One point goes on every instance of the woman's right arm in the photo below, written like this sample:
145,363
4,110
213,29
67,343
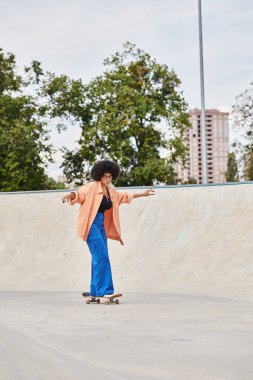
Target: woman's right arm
75,196
68,197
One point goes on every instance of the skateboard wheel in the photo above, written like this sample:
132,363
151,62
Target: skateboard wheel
116,301
88,301
98,300
107,302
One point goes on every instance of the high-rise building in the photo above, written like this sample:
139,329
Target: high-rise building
217,146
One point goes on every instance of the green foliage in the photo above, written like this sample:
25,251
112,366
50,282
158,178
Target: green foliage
248,172
248,166
51,184
127,114
243,119
130,113
9,80
232,174
24,147
191,181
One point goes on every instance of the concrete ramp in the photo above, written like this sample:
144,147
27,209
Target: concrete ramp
182,240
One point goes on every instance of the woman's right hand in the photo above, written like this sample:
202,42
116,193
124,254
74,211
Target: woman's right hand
68,197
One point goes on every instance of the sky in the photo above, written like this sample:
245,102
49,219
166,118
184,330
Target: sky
74,37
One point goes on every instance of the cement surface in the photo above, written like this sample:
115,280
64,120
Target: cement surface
56,336
186,272
196,239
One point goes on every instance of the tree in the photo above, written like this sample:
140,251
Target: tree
54,185
128,114
232,174
191,181
243,124
243,120
24,147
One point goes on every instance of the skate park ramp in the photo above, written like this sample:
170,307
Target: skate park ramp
195,239
186,273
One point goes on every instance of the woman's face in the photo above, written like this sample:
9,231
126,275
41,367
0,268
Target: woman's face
106,179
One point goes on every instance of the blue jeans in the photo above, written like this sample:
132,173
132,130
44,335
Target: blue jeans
101,274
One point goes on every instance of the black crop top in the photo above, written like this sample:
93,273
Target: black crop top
105,204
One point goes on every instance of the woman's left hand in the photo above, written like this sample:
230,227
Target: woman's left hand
148,192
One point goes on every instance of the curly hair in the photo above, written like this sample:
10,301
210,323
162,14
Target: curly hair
105,166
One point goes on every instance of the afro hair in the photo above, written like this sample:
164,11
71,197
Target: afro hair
105,166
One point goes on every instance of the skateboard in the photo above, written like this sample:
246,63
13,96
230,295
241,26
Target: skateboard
107,299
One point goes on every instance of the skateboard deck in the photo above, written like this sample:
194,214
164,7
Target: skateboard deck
113,298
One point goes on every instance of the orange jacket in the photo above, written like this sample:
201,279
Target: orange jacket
90,196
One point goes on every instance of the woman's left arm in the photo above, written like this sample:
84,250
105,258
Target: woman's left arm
127,197
145,194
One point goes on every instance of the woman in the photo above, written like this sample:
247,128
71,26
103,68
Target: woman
98,220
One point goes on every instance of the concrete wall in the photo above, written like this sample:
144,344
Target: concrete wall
183,239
